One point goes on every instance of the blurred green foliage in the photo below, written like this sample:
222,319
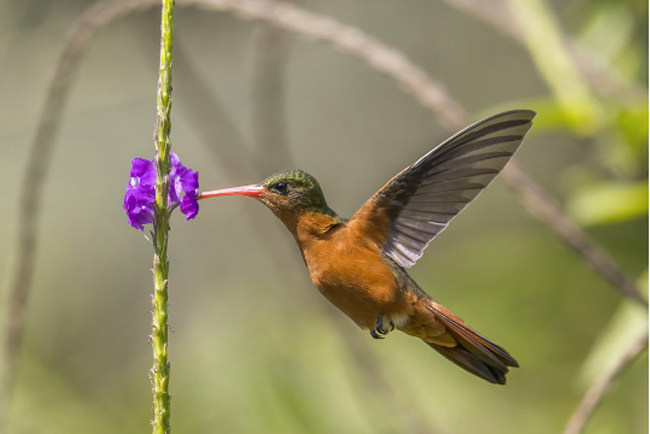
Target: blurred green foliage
256,352
610,203
613,188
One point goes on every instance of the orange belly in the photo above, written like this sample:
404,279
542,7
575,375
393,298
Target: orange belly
352,275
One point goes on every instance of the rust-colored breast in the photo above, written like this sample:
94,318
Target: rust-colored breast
349,271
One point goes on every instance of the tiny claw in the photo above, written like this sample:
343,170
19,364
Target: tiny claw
379,332
379,326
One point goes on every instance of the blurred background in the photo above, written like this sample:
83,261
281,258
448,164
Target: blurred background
255,348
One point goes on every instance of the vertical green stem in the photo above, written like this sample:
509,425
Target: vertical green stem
159,334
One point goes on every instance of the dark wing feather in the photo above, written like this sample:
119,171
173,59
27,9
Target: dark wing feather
418,203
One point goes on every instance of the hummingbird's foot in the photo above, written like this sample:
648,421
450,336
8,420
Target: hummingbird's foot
379,332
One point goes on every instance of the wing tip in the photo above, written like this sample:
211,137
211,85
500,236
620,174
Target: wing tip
524,114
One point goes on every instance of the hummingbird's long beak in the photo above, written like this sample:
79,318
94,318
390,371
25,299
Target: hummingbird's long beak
252,190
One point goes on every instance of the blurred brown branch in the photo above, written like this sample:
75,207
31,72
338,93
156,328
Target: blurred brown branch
412,79
601,386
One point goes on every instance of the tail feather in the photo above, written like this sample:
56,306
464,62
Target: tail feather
469,362
473,352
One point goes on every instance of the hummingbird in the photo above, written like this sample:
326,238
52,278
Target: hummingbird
359,264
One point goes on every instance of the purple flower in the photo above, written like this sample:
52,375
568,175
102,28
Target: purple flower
140,191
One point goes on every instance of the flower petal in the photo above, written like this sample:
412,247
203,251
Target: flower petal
138,204
175,174
190,181
189,205
144,171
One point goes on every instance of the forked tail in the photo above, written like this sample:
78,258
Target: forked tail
473,351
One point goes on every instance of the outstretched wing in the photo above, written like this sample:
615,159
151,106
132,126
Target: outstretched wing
420,201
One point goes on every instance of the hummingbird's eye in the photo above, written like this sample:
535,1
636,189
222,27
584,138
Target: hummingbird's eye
280,187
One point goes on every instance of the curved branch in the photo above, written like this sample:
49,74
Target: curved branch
601,386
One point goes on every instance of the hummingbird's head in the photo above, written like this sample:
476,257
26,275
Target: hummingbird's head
292,191
288,194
